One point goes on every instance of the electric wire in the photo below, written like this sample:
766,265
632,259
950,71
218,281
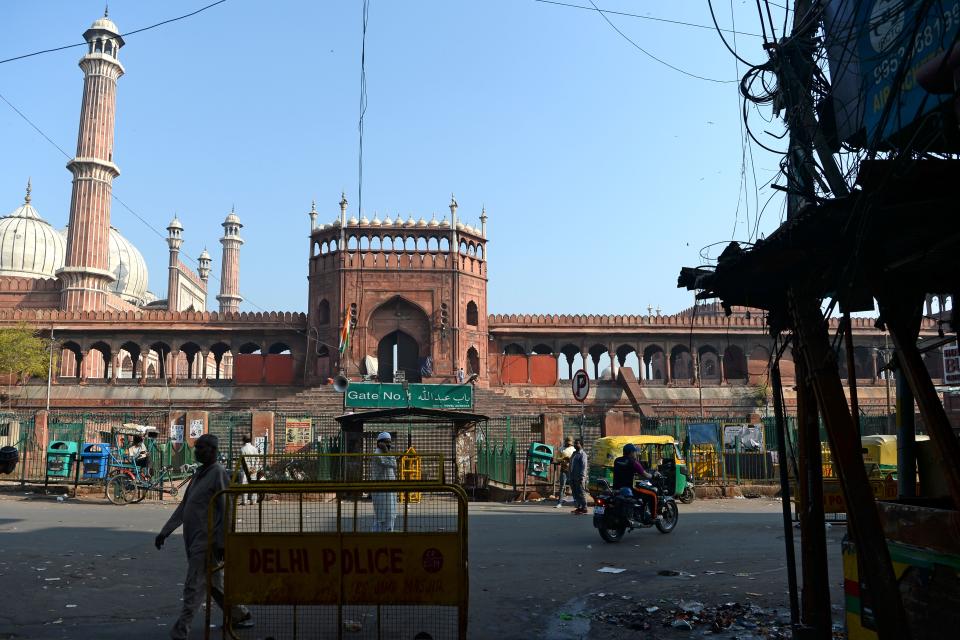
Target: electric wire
650,55
652,18
122,35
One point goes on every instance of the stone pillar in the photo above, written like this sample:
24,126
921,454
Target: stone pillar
876,368
614,364
172,367
667,375
40,430
695,359
585,357
144,363
553,429
263,427
115,373
723,373
205,355
83,366
612,424
643,366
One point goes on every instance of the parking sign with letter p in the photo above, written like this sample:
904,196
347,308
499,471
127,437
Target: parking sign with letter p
581,385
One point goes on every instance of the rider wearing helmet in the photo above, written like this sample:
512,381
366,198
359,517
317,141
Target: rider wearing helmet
625,468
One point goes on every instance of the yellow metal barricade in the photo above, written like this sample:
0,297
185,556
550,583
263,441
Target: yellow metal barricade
315,560
410,469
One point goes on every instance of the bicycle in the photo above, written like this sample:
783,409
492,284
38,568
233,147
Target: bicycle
123,489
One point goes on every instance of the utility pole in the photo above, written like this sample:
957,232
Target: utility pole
795,64
820,390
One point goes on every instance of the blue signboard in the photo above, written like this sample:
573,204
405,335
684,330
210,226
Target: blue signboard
703,433
893,33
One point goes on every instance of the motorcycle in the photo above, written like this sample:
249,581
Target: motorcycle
615,512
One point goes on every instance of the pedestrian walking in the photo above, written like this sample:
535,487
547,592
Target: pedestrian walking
384,470
564,465
250,466
460,376
191,513
578,478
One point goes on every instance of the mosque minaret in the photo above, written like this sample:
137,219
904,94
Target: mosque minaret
230,297
86,275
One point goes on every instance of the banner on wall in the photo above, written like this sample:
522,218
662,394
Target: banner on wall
297,434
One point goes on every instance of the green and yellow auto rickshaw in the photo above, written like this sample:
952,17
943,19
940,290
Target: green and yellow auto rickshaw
659,453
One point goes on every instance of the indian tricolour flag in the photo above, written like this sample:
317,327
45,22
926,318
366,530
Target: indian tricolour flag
345,334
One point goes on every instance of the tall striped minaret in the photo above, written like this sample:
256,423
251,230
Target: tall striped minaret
85,274
230,297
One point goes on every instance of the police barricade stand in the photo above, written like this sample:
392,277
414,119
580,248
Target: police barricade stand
316,560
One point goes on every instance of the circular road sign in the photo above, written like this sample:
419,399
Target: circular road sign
581,385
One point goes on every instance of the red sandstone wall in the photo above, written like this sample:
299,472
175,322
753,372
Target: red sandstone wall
27,293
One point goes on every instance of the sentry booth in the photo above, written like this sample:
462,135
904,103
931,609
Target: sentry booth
451,434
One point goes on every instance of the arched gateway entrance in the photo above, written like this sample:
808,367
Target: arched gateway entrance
398,351
402,331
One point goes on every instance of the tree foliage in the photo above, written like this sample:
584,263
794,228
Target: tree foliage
23,354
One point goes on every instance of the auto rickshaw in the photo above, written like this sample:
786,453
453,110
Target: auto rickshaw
880,455
656,453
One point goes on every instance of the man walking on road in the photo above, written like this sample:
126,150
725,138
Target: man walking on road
192,514
578,478
564,464
251,464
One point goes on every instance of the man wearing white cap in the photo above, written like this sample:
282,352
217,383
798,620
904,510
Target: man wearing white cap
384,470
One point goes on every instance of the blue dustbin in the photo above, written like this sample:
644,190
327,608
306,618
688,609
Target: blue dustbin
96,459
60,456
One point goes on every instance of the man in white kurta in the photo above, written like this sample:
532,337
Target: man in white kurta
384,470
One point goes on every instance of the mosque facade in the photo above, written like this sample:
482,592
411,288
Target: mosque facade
408,294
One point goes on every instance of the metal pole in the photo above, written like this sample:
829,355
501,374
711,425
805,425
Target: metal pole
906,438
851,371
819,363
785,494
50,369
816,586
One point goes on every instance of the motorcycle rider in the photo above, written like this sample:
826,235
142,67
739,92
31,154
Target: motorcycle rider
625,468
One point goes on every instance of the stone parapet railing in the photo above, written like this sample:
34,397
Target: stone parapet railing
293,320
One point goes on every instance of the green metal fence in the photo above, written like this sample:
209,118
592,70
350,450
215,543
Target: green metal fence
498,461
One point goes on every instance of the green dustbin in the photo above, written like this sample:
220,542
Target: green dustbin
539,458
60,458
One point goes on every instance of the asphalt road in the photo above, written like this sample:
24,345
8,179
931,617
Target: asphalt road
85,569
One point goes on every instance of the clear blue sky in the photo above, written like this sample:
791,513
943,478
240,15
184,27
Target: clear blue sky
602,171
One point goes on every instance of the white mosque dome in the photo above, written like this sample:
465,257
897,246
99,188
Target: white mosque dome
29,246
128,267
433,221
105,24
376,222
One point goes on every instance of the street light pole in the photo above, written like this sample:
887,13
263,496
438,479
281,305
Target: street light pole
50,369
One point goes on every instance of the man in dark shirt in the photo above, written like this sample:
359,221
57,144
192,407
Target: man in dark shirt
625,469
